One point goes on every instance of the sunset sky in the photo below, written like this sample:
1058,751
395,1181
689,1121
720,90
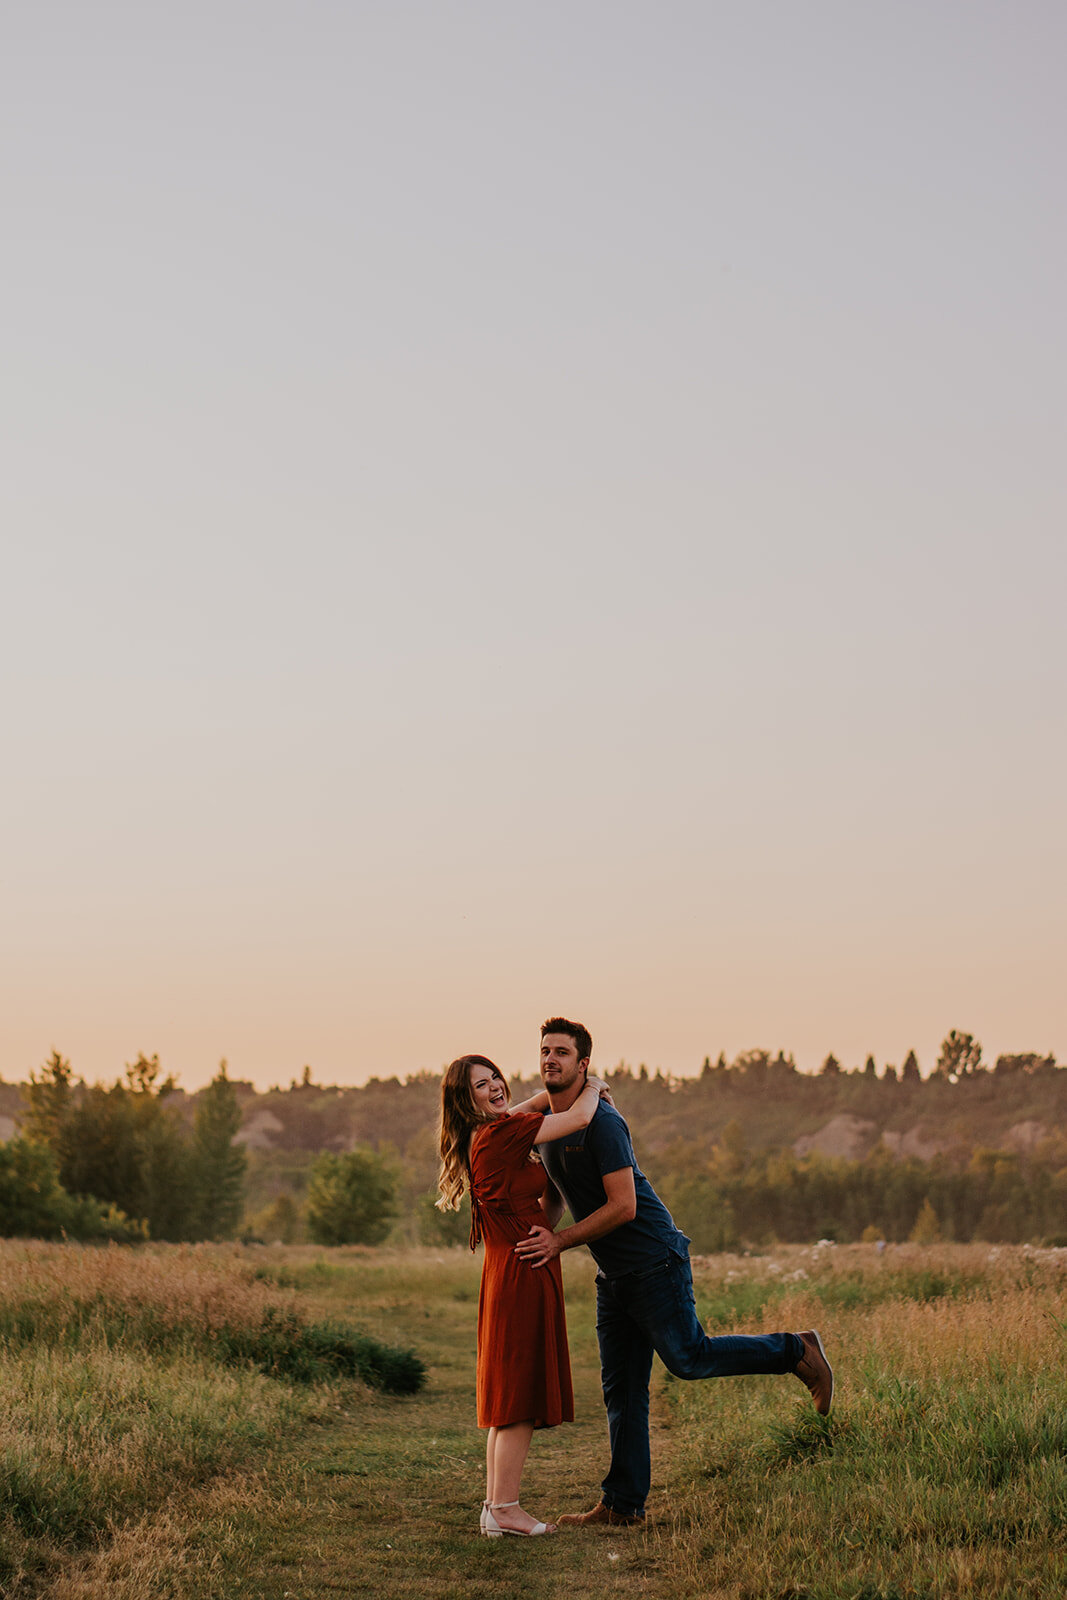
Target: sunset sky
512,509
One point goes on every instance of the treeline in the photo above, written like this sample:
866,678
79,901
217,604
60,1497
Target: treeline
730,1197
765,1091
118,1161
140,1158
123,1162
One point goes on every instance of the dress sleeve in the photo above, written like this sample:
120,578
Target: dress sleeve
507,1141
498,1149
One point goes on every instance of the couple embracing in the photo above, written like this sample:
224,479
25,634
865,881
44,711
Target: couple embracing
644,1285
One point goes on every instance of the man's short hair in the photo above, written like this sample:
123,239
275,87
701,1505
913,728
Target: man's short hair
583,1039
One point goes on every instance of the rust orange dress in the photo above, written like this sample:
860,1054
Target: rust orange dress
524,1369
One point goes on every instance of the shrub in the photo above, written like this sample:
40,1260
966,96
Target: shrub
80,1300
351,1198
34,1204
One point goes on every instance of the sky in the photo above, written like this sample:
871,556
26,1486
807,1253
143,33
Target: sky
517,510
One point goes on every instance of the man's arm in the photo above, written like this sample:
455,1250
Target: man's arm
541,1245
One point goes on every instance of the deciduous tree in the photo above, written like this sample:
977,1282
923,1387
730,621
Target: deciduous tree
961,1054
351,1198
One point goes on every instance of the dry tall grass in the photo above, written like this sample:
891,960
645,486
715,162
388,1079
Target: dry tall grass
151,1471
943,1470
61,1286
116,1399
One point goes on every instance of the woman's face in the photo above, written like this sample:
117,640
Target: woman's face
489,1091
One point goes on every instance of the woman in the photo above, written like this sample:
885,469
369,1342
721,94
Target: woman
524,1376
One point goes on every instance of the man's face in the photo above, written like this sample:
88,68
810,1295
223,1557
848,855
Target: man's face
560,1067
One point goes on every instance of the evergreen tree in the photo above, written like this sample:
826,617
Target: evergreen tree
34,1204
218,1164
909,1072
168,1176
126,1145
48,1099
100,1152
168,1197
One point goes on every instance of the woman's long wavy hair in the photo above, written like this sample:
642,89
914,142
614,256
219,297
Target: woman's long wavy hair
459,1118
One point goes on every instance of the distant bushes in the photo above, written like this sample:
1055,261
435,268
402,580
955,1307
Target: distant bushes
125,1148
34,1204
728,1195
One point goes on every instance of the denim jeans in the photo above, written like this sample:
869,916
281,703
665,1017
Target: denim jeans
654,1310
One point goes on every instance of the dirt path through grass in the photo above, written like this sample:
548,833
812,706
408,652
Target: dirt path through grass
943,1472
385,1502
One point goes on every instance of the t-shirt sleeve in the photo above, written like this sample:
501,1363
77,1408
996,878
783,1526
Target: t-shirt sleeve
609,1140
507,1142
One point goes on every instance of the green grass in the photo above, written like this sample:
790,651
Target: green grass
276,1337
942,1471
134,1380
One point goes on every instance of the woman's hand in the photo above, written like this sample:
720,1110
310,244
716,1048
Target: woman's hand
593,1082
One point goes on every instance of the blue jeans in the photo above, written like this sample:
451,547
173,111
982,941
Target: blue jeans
654,1310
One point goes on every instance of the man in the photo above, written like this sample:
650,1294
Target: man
644,1283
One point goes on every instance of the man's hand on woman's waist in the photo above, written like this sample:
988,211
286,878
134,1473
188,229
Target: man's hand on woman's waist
542,1246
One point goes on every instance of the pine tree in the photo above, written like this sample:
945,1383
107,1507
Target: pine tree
218,1164
48,1099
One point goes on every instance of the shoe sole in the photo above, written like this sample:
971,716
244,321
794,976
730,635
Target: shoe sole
830,1370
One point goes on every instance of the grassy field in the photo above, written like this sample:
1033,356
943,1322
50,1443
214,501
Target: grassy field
154,1443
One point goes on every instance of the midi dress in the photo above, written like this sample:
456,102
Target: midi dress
524,1370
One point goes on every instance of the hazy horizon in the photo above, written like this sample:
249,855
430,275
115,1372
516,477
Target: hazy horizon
529,511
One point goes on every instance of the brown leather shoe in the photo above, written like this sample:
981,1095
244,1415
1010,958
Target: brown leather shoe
601,1516
815,1372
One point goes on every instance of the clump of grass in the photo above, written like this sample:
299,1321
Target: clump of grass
77,1298
943,1467
293,1276
90,1439
284,1346
798,1438
131,1379
736,1301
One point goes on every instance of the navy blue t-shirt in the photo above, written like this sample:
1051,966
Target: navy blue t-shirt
576,1165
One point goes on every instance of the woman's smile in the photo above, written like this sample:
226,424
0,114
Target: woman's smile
489,1091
